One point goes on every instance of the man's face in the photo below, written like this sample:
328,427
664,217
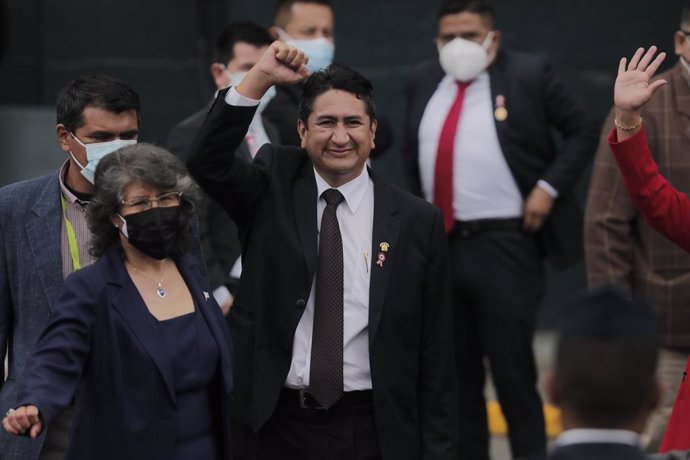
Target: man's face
245,56
99,125
468,26
309,20
338,136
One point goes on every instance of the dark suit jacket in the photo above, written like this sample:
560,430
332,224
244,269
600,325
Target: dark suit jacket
103,344
273,200
597,451
537,103
219,238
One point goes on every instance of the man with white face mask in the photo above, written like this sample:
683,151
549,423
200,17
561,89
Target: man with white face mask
479,145
238,48
44,236
622,249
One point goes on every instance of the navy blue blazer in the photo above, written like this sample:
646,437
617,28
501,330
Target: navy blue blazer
102,346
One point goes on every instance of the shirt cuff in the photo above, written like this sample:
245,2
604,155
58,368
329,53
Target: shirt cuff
548,188
221,294
232,97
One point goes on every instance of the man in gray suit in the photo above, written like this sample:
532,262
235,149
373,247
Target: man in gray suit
44,236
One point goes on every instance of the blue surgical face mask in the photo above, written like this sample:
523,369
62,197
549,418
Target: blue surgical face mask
236,77
95,151
320,50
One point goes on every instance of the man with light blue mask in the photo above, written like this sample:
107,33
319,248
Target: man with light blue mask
238,47
44,236
308,26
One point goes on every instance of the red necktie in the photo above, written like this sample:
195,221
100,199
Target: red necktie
443,172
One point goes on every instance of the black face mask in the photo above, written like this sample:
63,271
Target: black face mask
154,231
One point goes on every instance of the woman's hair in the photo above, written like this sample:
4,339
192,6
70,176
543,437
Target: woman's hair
144,164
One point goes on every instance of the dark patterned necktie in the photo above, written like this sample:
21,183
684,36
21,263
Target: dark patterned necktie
326,371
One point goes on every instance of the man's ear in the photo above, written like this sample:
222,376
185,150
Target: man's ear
657,394
274,32
218,74
372,127
302,131
678,40
63,136
552,388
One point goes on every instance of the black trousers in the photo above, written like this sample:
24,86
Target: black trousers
497,285
346,431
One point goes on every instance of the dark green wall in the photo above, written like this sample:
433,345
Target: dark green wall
161,48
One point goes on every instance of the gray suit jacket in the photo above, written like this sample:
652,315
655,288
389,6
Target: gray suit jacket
30,282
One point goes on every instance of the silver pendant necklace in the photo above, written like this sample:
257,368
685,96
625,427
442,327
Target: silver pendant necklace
160,291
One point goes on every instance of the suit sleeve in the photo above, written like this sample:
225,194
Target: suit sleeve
610,219
235,184
664,208
54,369
579,133
438,387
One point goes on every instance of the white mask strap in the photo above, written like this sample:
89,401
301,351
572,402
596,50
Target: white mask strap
487,41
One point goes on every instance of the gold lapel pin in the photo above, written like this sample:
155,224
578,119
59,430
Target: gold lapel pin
500,111
384,246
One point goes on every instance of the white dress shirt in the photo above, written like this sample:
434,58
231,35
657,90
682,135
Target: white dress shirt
483,186
597,435
356,220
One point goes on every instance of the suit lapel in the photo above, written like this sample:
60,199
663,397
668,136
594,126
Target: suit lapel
304,199
499,89
203,299
128,302
44,230
428,87
386,230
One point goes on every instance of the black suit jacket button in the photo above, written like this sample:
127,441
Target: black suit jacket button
301,304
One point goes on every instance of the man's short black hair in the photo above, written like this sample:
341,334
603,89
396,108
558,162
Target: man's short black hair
246,32
481,7
606,358
100,91
336,76
283,10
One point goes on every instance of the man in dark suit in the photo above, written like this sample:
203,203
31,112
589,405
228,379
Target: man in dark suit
44,236
604,378
342,324
238,48
479,145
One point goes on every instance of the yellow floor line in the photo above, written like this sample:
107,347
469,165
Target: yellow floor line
498,426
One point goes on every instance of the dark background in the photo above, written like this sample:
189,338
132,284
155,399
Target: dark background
161,48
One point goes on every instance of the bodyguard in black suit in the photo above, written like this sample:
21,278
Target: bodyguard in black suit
509,201
604,378
238,47
397,394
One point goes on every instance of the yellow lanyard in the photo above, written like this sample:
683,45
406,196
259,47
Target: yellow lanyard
71,236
